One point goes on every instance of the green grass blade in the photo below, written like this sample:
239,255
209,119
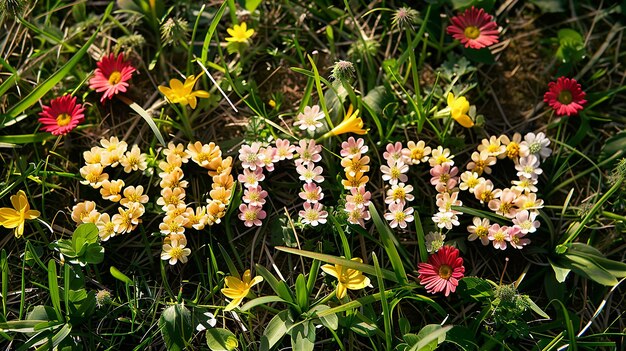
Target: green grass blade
384,303
4,267
53,285
365,268
388,241
144,114
209,33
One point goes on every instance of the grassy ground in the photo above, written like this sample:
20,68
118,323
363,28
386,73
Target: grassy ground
562,291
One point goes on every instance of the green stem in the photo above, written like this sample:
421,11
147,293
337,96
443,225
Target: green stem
592,212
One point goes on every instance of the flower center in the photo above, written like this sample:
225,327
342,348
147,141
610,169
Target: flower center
445,271
63,119
472,182
565,97
250,215
512,150
115,77
499,236
482,231
534,147
400,216
417,154
472,32
176,252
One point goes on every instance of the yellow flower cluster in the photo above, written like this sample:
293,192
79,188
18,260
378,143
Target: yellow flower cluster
112,153
178,216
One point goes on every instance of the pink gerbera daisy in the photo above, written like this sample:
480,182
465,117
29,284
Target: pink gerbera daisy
63,115
111,76
442,272
475,29
565,96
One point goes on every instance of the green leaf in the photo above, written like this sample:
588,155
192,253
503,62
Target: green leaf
571,46
276,329
120,276
176,328
302,293
146,116
462,337
365,268
430,336
280,288
261,301
53,286
330,321
49,83
389,243
86,233
219,339
384,303
251,5
560,273
57,338
476,288
303,336
26,138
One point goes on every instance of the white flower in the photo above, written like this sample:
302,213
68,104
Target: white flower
446,220
309,118
526,222
537,144
528,167
434,241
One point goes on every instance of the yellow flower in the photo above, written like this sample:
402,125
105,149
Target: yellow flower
182,93
458,110
350,124
237,289
347,278
15,217
239,33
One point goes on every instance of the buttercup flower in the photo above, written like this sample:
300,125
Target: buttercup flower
16,217
446,219
106,228
239,33
134,160
395,171
499,235
176,251
111,190
357,215
311,193
459,107
565,96
516,238
480,230
350,124
442,272
284,150
492,146
475,29
251,215
93,175
63,115
236,289
352,147
82,211
309,118
182,93
313,214
360,197
417,152
111,76
255,195
469,181
440,156
347,278
398,215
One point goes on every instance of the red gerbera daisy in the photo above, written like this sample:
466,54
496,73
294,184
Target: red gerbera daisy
63,115
442,272
474,28
111,76
565,96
